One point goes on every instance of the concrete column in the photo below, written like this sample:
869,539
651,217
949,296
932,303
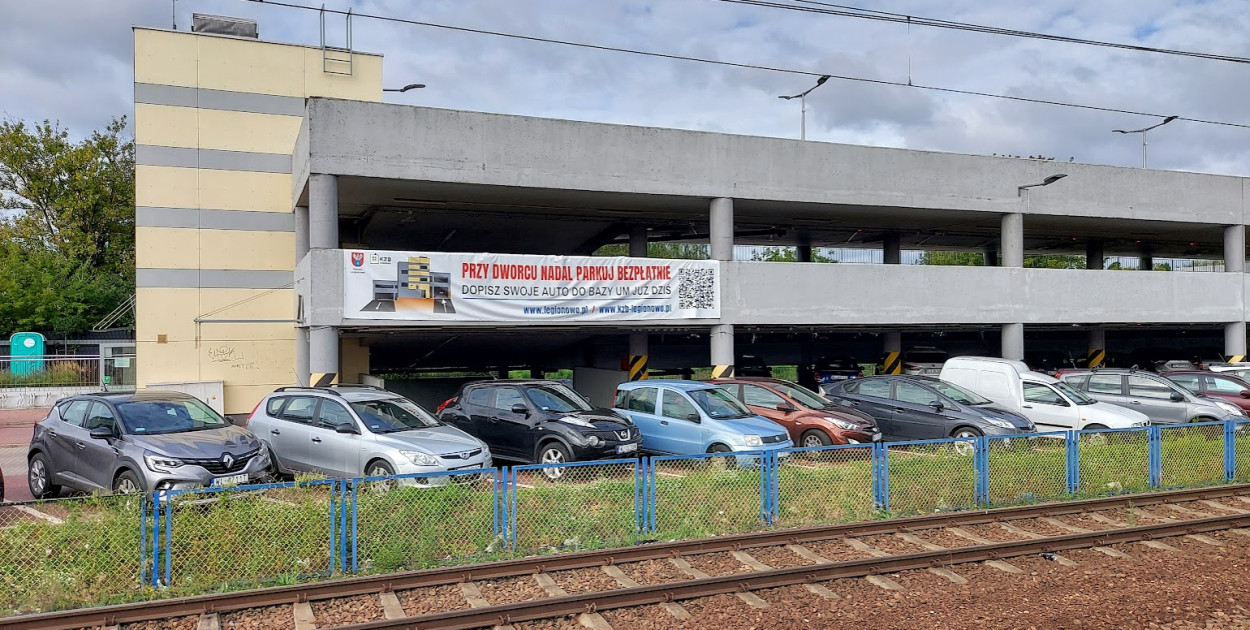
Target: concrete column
1093,255
1235,248
991,256
721,229
1235,341
637,362
638,241
1012,239
1097,353
301,232
302,369
893,341
891,250
323,211
722,350
1013,341
323,355
892,359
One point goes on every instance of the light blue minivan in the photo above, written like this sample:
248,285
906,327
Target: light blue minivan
693,418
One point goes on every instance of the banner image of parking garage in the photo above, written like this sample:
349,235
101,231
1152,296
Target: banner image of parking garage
395,285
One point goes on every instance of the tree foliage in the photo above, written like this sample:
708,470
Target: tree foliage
67,245
789,254
974,259
683,251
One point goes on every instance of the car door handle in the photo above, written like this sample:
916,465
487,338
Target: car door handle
494,419
1134,402
317,440
664,422
1027,406
80,446
275,432
900,409
51,434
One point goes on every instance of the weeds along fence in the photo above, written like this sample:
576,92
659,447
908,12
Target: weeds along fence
98,550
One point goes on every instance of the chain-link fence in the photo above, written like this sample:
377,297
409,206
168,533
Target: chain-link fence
707,495
581,505
1027,469
248,534
1191,455
930,476
1239,455
424,520
1113,461
830,484
70,553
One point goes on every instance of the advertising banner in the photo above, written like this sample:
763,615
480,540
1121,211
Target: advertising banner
425,286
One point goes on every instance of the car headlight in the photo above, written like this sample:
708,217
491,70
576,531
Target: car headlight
574,420
419,458
1229,407
594,440
842,424
752,440
1000,423
159,463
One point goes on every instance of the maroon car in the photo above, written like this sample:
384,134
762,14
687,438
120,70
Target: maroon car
1214,384
810,419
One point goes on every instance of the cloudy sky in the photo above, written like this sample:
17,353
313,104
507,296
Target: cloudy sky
70,60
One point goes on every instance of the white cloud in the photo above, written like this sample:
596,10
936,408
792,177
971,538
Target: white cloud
71,60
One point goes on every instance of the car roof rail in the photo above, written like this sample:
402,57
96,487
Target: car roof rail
355,386
308,388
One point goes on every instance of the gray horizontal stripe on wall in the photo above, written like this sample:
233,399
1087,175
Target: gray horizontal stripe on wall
154,94
212,279
216,159
215,219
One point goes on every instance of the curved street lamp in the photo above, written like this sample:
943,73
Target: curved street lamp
410,86
1143,131
802,96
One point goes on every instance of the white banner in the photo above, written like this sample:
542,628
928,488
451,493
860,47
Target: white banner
510,287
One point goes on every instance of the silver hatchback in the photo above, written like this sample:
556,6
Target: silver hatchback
361,431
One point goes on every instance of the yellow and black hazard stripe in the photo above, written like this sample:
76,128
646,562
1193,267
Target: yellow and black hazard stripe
723,371
893,363
1096,357
323,379
1237,358
637,367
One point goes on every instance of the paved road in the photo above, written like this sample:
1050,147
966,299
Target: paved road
15,429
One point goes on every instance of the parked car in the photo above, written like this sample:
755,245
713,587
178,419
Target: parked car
810,419
751,365
690,418
926,408
1225,387
139,442
1162,400
537,421
830,369
360,431
920,360
1046,401
1240,370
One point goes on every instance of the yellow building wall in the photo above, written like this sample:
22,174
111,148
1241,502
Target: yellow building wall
353,359
231,82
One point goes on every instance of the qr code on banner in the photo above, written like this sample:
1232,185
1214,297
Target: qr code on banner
696,288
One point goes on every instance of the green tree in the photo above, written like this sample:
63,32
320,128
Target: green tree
684,251
67,210
961,259
788,254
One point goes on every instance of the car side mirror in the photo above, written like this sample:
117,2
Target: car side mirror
102,433
694,417
1177,397
347,428
520,408
937,405
786,407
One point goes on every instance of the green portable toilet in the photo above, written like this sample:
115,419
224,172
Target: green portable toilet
27,349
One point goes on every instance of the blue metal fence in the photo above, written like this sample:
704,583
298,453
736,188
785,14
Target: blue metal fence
413,521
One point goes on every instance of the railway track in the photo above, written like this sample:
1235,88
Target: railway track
557,603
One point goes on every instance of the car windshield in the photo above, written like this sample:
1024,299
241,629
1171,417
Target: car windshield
1075,395
154,417
557,398
958,394
802,395
717,403
389,415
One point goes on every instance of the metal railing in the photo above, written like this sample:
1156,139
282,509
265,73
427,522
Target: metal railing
18,371
204,539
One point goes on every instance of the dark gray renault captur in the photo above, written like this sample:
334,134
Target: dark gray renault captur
926,408
139,442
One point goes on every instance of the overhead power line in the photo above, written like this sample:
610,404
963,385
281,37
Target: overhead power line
748,66
827,8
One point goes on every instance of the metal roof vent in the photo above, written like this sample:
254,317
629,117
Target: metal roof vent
221,25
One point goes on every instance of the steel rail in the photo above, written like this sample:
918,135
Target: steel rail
773,578
364,585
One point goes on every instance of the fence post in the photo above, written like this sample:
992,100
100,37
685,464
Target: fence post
1072,445
765,489
1154,443
1230,450
981,468
881,477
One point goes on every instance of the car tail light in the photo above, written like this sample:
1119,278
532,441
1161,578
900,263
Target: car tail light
253,414
445,403
910,366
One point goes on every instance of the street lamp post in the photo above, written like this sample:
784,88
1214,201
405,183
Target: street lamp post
1143,131
802,96
410,86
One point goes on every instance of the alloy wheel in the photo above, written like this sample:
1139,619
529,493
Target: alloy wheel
38,477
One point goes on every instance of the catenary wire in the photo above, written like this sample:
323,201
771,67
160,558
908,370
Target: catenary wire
900,18
748,66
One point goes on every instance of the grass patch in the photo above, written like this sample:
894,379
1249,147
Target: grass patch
416,528
1026,471
930,478
695,499
815,492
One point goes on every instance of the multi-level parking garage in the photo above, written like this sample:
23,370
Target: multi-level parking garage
411,183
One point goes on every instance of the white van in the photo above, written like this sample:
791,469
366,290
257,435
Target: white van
1047,402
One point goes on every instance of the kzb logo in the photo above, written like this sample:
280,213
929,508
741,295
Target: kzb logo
358,259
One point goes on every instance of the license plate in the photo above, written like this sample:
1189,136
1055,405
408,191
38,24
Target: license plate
232,480
626,448
876,437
